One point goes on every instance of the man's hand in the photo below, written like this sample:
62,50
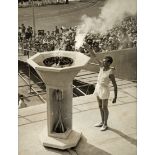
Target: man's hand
90,50
114,100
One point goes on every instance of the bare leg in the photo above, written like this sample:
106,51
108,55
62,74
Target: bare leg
101,109
106,111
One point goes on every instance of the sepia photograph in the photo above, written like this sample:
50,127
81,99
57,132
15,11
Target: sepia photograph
77,77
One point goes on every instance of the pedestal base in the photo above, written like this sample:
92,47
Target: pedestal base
59,143
61,135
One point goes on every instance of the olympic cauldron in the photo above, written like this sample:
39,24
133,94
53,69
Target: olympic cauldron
58,69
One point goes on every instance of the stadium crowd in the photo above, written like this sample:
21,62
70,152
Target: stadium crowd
120,36
37,3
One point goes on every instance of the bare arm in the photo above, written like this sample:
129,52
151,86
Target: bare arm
112,78
93,54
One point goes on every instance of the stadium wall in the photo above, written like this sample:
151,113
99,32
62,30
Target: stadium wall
124,61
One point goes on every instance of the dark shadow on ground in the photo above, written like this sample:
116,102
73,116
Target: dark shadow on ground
84,148
126,137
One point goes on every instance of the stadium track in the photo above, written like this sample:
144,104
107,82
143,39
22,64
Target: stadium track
67,15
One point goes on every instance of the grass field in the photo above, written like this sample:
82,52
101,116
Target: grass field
48,17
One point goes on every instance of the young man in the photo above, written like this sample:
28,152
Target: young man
102,91
21,103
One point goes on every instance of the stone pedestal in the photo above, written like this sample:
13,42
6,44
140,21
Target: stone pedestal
61,141
70,137
59,97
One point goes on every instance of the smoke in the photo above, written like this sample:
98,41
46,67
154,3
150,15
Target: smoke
111,13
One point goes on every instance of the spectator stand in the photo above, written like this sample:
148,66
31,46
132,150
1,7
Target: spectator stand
39,3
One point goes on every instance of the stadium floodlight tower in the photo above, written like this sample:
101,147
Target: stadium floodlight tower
58,69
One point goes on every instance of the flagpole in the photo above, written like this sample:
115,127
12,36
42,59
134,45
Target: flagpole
33,13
